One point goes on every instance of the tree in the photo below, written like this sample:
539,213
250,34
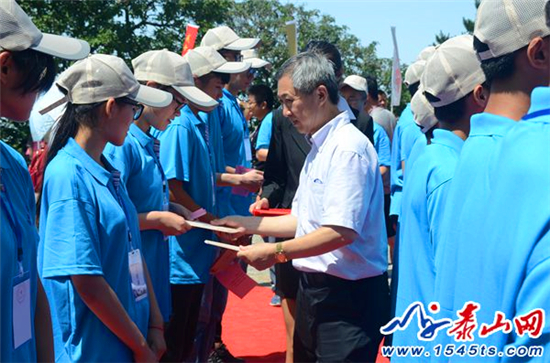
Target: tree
469,25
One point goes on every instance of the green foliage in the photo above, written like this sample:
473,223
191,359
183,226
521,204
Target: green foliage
127,28
469,25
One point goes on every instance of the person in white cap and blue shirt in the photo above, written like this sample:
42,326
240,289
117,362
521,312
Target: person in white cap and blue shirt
494,248
236,136
90,255
451,92
28,69
188,157
138,160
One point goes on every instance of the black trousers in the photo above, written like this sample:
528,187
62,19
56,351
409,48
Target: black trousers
339,320
181,327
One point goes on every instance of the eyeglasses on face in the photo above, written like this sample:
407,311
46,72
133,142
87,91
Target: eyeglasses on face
136,107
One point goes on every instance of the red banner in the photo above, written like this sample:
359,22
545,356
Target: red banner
191,32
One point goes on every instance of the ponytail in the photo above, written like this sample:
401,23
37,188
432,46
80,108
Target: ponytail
68,125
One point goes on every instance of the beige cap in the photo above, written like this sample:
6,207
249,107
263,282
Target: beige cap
427,52
170,69
251,56
223,37
505,26
18,33
453,71
100,77
414,72
423,112
358,83
204,60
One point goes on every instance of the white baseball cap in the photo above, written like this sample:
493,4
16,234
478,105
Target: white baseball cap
18,33
170,69
358,83
505,26
453,71
423,111
414,72
204,60
427,52
100,77
223,37
251,56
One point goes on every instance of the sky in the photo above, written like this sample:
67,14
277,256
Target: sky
416,21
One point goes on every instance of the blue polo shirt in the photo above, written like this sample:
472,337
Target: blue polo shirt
424,198
382,145
235,134
17,217
185,156
465,212
404,136
85,231
148,190
418,149
264,133
223,194
512,252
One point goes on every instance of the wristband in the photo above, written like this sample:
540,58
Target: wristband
156,327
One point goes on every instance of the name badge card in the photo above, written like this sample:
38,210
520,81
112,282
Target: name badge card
139,284
21,314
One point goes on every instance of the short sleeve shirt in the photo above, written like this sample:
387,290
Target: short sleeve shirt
384,118
340,185
85,231
382,145
424,198
17,216
148,189
185,156
264,133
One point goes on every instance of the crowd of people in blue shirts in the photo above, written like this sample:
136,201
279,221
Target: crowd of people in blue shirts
114,271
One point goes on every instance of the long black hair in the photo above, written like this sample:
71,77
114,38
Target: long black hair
69,123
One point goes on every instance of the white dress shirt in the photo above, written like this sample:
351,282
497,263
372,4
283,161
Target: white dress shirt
340,185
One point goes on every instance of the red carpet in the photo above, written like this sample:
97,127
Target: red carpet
254,330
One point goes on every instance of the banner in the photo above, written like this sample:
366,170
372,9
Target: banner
396,79
292,37
191,32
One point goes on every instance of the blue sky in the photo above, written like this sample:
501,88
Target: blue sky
417,21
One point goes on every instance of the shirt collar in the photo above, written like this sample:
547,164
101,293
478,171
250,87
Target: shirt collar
196,119
487,124
319,138
228,94
143,138
102,175
447,138
540,99
4,164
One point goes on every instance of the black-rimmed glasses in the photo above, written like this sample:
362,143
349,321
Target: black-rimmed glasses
137,107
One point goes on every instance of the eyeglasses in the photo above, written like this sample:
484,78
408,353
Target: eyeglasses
137,107
179,105
252,72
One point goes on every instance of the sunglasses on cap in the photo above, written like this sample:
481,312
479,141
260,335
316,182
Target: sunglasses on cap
137,107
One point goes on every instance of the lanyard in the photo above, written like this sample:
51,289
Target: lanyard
116,183
206,137
539,113
156,157
10,213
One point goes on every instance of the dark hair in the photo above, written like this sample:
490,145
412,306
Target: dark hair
39,70
69,123
382,93
327,49
262,93
413,88
498,68
450,113
372,87
547,8
225,77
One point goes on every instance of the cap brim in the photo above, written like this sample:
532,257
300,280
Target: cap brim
63,47
233,67
152,97
355,87
197,97
258,63
242,44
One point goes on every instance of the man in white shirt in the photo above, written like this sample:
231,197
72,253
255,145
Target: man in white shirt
337,224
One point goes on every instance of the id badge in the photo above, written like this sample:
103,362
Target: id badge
139,284
247,149
21,313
